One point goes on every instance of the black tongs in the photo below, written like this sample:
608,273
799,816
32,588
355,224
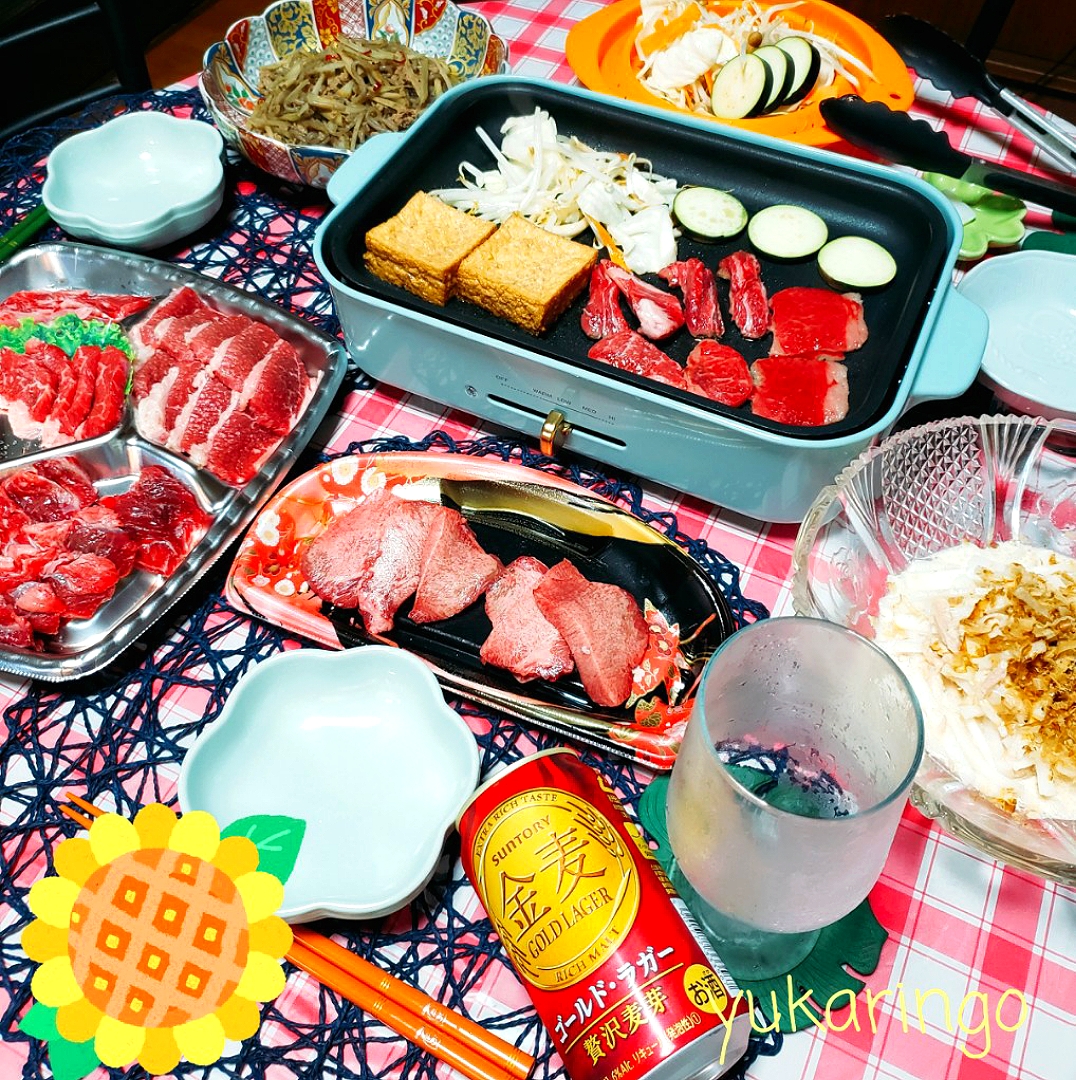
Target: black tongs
900,138
949,66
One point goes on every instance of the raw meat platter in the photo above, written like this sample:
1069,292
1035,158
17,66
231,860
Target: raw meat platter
506,559
146,413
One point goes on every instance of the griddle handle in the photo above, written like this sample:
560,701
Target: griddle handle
953,353
364,161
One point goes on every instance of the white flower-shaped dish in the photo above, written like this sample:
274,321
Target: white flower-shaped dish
140,181
1028,297
361,745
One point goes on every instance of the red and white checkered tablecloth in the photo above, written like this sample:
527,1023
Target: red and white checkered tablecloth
960,924
965,932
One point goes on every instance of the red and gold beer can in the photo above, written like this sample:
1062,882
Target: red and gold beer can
623,981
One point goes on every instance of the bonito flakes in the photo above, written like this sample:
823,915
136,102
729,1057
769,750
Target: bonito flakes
987,636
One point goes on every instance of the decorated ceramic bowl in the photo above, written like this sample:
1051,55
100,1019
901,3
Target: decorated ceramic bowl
230,69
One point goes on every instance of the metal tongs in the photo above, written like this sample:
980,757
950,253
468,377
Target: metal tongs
902,139
949,66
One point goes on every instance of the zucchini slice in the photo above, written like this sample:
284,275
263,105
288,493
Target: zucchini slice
709,214
741,88
781,73
806,62
856,262
787,232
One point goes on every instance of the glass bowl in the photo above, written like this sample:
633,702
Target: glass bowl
919,492
228,83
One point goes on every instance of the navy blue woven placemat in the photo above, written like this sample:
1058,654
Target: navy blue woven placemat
108,737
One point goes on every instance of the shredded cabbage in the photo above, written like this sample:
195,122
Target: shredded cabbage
987,637
681,71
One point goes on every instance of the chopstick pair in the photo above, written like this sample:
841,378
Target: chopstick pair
23,231
448,1036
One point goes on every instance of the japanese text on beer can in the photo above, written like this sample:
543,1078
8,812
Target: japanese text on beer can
588,920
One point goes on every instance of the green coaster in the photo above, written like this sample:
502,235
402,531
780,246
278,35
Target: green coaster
819,985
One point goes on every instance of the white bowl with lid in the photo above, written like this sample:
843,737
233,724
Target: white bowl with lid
140,181
1030,299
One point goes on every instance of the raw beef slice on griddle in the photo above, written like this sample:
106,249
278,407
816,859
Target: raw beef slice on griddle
807,321
800,390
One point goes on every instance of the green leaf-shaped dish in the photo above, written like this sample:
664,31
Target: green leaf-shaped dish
990,218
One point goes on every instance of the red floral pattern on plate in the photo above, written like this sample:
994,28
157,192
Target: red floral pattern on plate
266,580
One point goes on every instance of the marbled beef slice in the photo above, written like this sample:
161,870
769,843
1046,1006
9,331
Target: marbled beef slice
817,321
603,626
800,390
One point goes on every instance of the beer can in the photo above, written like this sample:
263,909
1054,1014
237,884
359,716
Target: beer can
622,978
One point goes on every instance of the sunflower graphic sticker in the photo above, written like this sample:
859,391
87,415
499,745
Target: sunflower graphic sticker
158,938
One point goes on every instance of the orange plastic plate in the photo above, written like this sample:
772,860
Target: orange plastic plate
601,52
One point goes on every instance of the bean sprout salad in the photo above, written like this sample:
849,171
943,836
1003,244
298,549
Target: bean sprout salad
683,45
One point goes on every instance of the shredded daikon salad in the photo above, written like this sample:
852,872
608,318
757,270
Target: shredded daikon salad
565,186
987,637
682,45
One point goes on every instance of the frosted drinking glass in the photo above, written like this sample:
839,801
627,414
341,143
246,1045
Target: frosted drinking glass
787,791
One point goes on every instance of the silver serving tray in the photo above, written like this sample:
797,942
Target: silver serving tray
84,646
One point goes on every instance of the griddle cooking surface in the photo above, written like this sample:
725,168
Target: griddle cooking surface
888,211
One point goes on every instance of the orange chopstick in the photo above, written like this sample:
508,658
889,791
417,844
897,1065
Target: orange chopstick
448,1036
515,1062
75,816
85,804
442,1045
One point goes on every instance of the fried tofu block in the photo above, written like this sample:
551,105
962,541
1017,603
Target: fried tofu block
420,248
525,274
435,290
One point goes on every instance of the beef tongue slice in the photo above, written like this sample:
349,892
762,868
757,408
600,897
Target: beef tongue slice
455,571
523,641
603,626
371,558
